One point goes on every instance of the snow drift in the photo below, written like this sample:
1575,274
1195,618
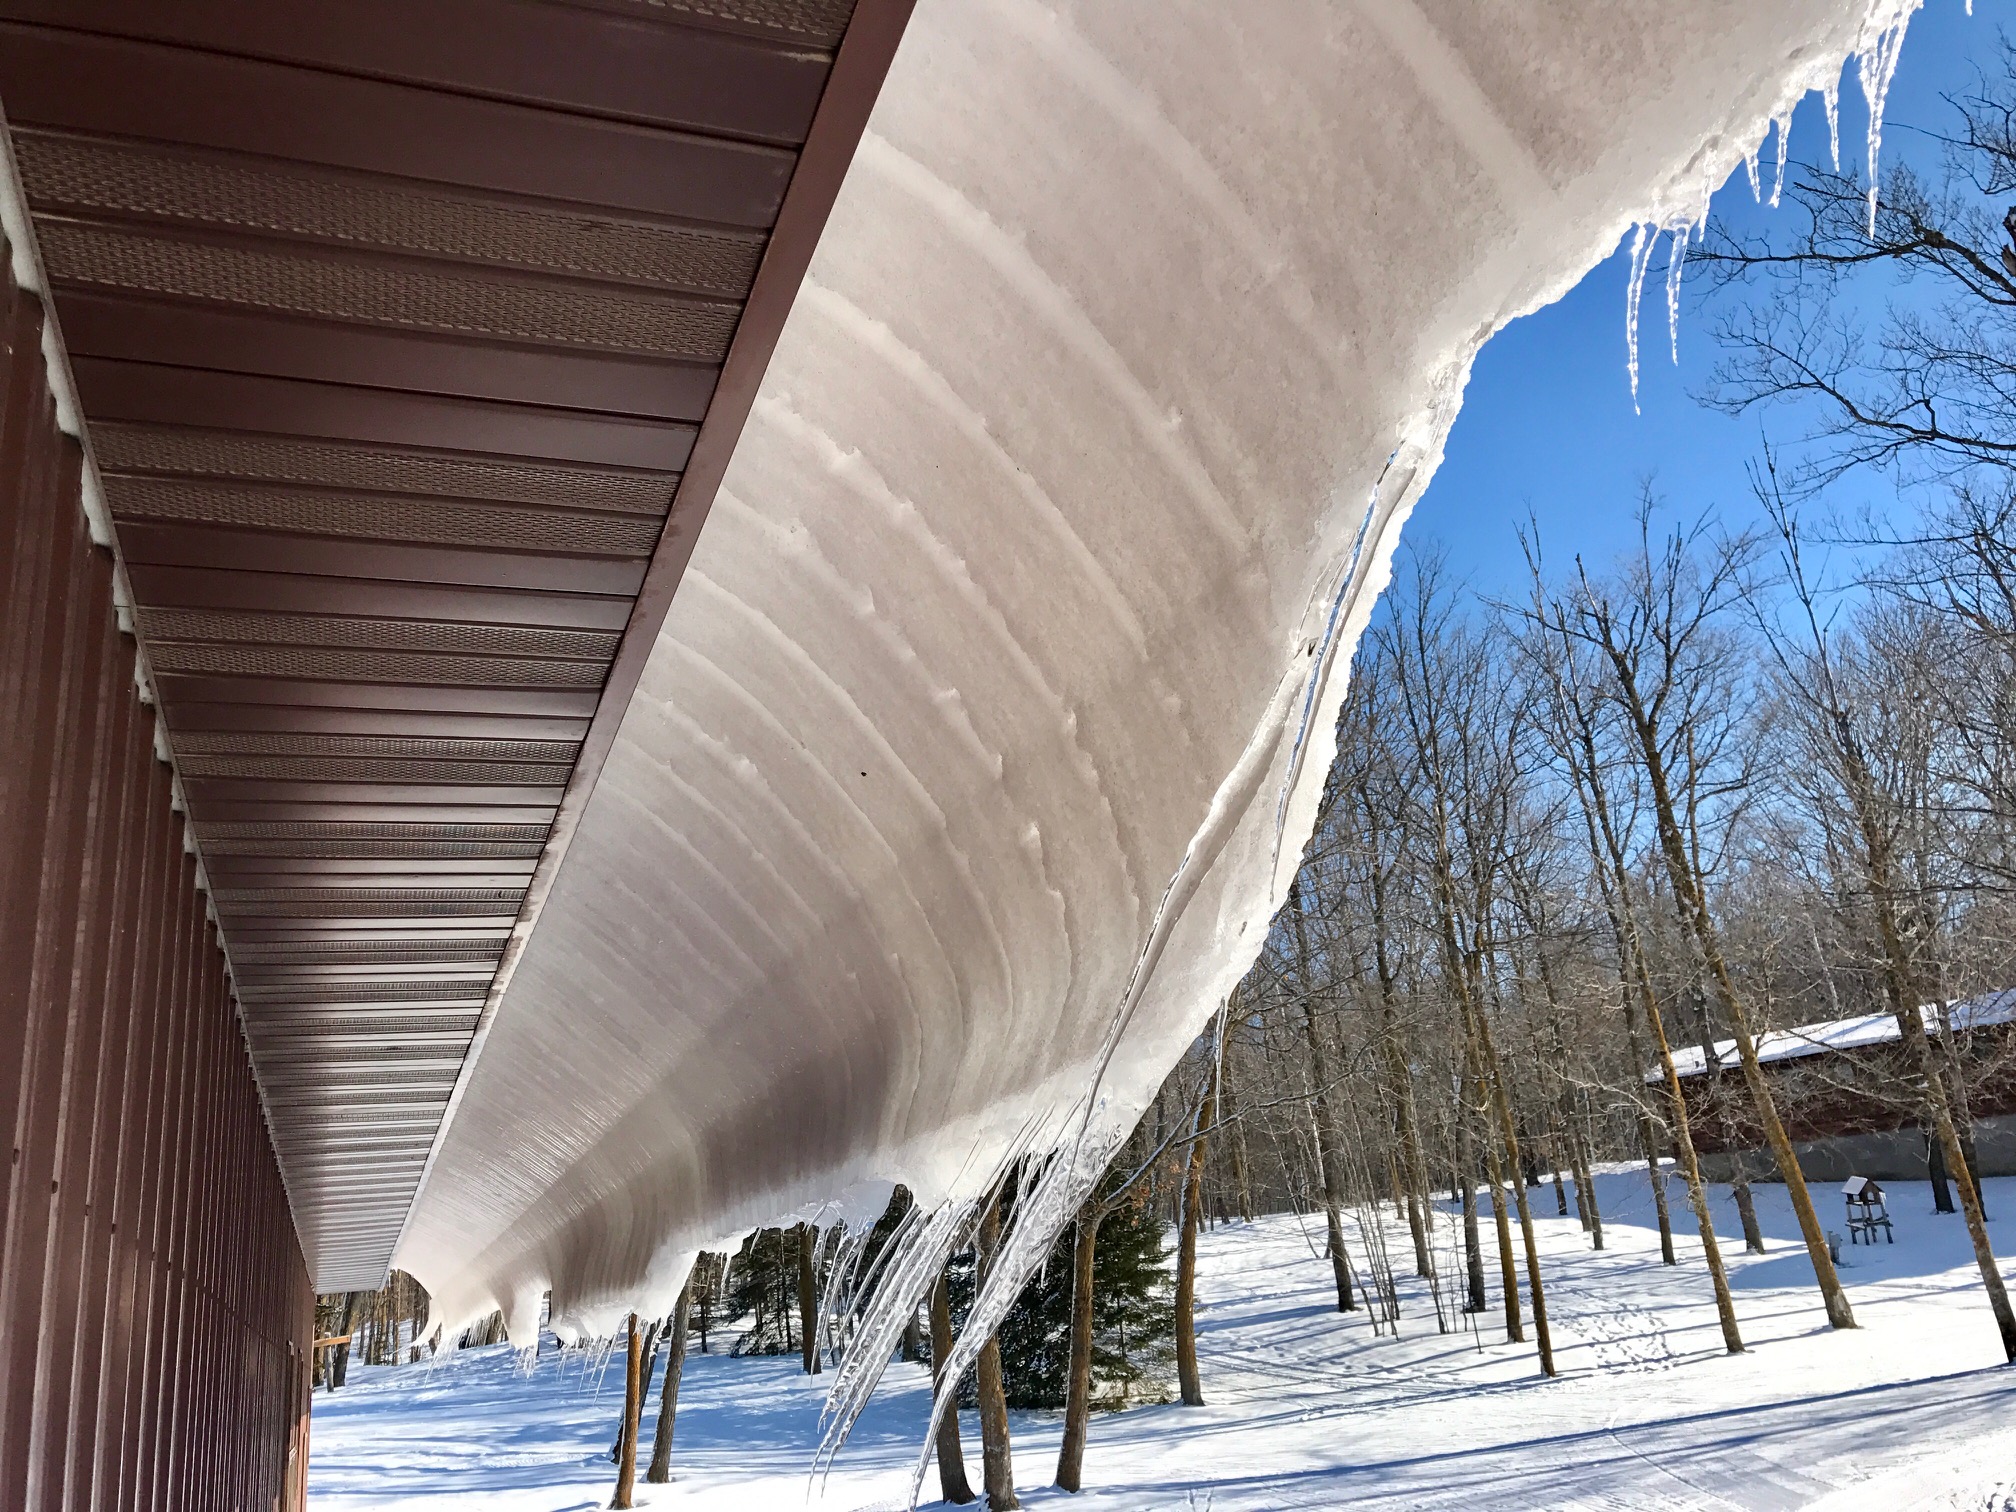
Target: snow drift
989,722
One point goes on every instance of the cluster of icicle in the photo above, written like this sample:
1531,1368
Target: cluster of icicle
1049,1194
1877,48
1051,1187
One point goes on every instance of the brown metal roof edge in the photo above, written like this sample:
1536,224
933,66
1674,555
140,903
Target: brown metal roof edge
852,88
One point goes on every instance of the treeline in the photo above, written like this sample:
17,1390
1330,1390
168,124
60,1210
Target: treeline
1668,805
385,1327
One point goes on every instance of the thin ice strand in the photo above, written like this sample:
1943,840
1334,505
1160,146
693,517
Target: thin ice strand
1641,257
1676,259
1783,128
1876,66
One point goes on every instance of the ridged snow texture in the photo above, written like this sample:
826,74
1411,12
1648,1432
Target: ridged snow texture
990,718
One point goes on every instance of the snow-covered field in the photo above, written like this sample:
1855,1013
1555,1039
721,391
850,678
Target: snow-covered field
1307,1409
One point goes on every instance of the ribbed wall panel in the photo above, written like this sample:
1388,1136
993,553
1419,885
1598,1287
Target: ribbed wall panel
155,1305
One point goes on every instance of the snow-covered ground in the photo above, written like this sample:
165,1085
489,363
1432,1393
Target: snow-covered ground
1307,1409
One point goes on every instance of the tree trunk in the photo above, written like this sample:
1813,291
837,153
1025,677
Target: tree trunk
1732,1139
1526,1158
1963,1119
996,1460
1417,1225
1585,1190
647,1353
808,1299
1328,1162
1340,1262
1624,938
1690,1162
1903,995
1693,907
1494,1076
1746,1208
1655,1173
1936,1173
1242,1180
712,1278
1970,1199
1473,1246
339,1367
668,1400
1186,1255
1078,1387
1400,1081
633,1405
1508,1275
952,1483
1636,977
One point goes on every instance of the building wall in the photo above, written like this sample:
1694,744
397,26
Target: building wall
1844,1094
1887,1155
154,1303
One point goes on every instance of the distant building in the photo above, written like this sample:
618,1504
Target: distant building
1844,1089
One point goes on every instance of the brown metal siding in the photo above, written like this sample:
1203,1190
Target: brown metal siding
155,1305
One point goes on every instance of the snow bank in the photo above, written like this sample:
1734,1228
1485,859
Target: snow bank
989,722
1309,1411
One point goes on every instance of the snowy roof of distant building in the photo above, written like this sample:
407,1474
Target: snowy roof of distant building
1997,1007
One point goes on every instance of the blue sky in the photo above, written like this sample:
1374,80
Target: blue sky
1547,421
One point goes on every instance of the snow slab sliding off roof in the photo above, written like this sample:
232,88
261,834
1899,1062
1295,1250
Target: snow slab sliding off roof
995,701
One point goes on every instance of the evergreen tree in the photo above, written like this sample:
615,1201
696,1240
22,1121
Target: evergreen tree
764,1289
1133,1315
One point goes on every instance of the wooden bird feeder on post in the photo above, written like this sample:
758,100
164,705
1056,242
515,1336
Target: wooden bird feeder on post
1866,1212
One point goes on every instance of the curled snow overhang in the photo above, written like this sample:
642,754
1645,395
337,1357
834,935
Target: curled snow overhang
987,725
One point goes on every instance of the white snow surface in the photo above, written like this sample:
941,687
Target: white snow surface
1911,1412
990,718
1981,1012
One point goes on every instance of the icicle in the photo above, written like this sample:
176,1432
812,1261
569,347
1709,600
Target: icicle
885,1259
1876,66
1830,96
1040,1216
1642,237
1676,259
910,1265
1782,125
922,1248
1750,169
836,1299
